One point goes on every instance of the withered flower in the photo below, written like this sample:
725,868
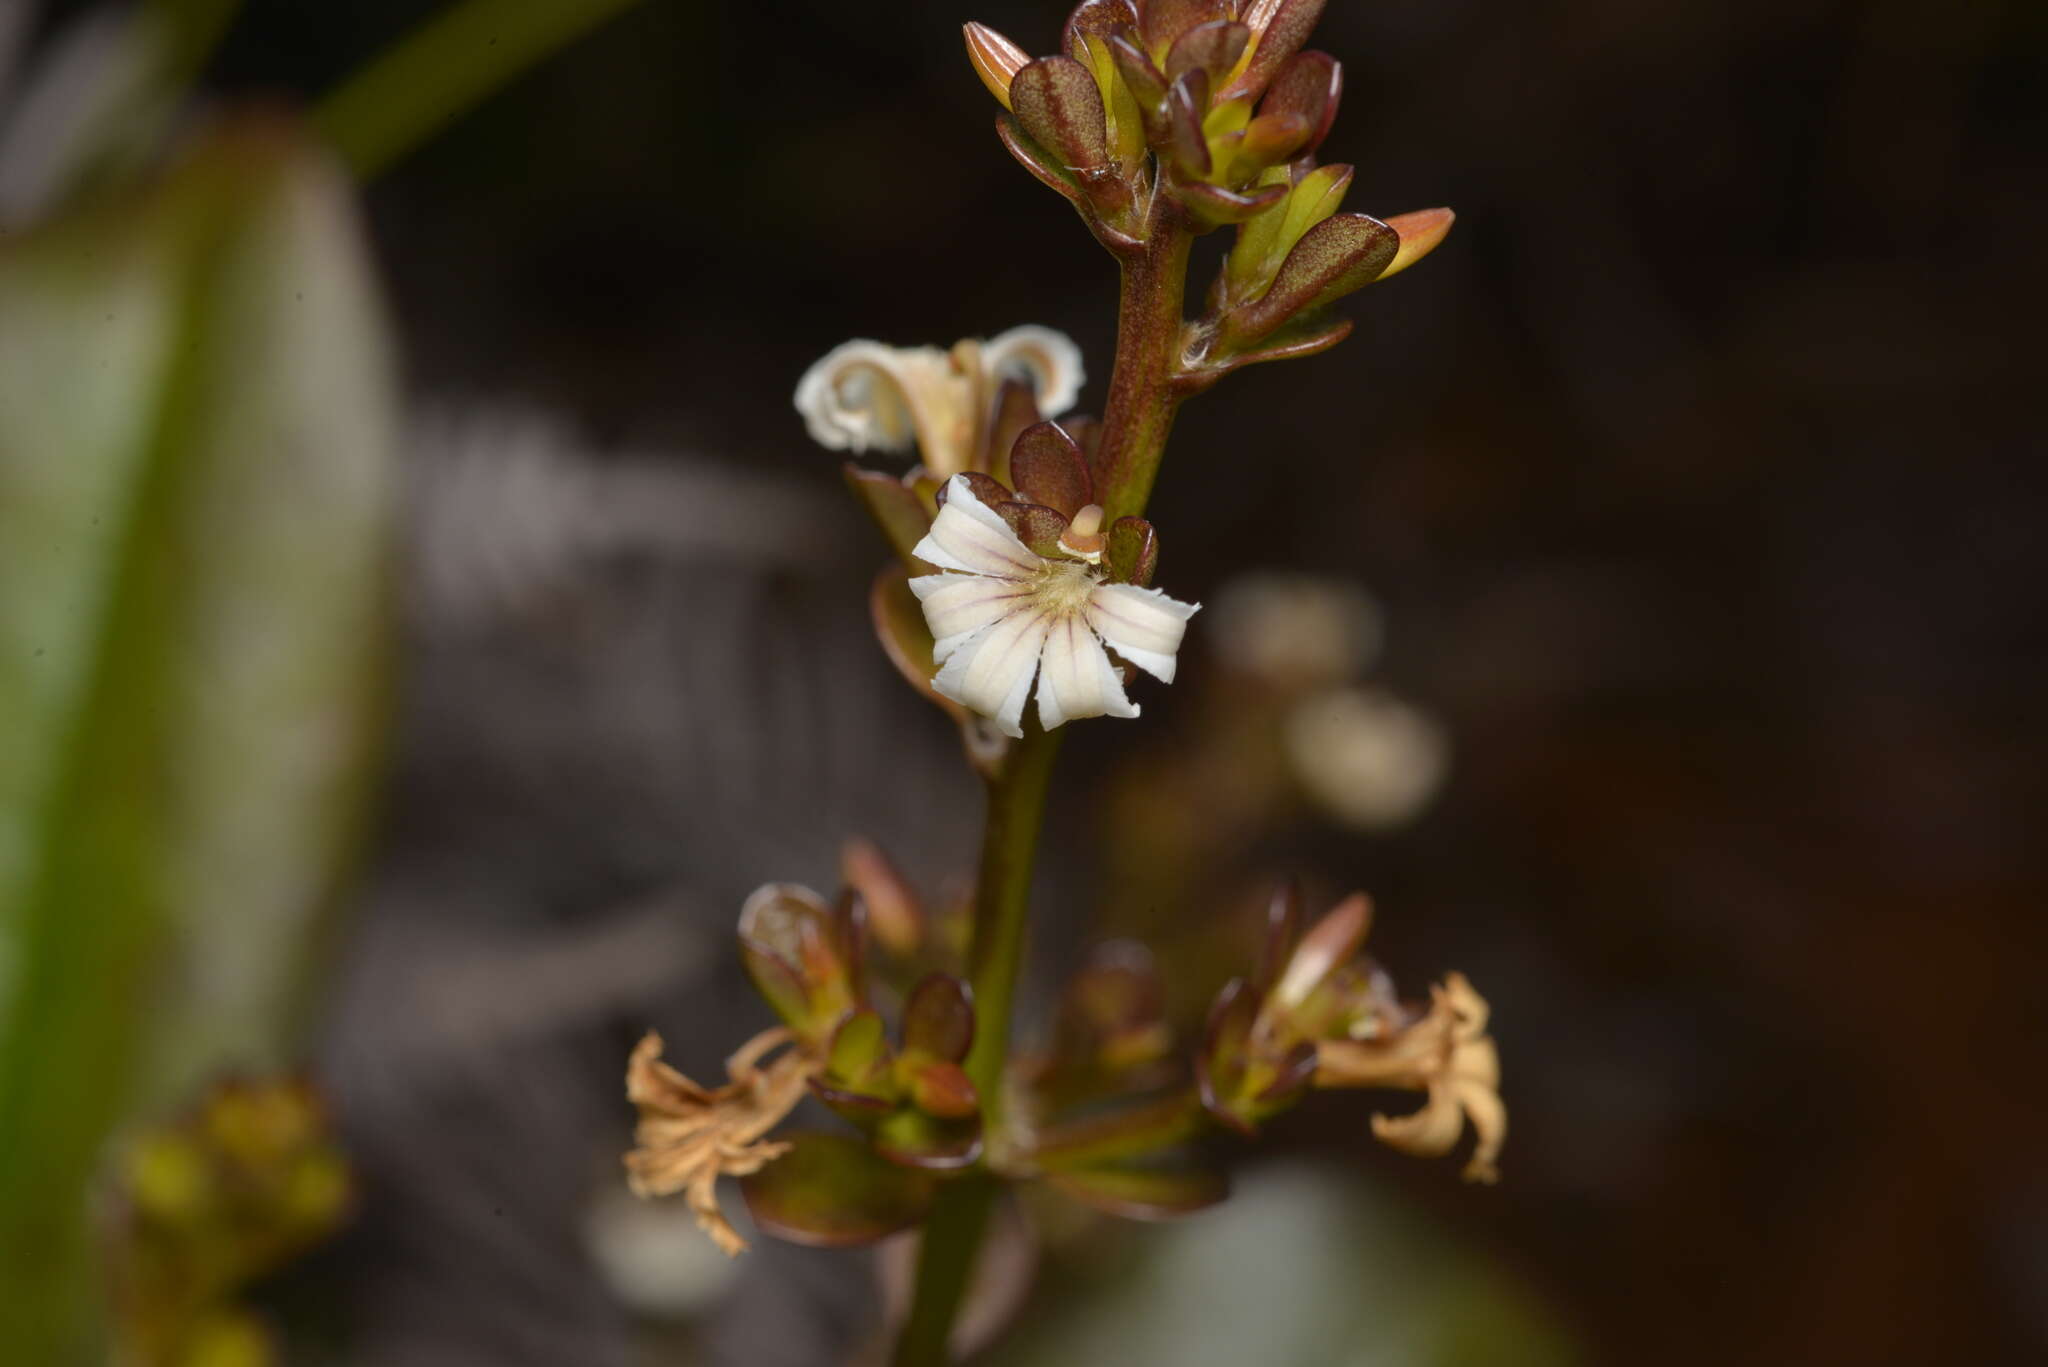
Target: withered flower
1448,1055
863,395
1320,1012
689,1136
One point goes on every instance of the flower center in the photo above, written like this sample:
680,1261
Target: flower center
1062,586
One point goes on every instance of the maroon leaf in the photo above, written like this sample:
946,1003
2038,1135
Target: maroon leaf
905,638
1132,554
1039,161
1343,253
1282,37
1102,18
1146,82
1212,48
1216,205
1057,101
1015,408
1186,100
1308,86
938,1017
1047,467
895,508
1268,139
984,486
944,1090
1167,20
1036,525
833,1191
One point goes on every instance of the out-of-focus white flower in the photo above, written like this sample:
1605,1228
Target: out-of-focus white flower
1295,630
1008,615
863,395
1371,760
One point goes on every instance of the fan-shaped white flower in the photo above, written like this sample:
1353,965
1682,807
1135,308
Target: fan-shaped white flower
863,394
1005,615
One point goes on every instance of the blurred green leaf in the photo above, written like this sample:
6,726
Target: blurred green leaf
832,1190
195,468
1142,1193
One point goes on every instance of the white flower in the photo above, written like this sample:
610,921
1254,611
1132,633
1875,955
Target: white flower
1009,615
863,394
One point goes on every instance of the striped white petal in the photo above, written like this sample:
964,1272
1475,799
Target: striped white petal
1075,678
969,536
991,671
958,605
1142,625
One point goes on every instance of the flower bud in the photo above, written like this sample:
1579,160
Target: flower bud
996,59
1420,233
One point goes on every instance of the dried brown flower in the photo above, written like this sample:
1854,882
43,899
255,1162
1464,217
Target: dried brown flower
1447,1054
690,1136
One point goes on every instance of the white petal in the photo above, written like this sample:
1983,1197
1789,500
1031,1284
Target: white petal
1142,625
958,605
1075,678
991,671
855,398
1049,359
968,535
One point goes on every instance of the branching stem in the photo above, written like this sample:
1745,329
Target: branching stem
1135,424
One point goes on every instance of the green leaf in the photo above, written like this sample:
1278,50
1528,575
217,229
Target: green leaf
832,1191
1140,1193
196,423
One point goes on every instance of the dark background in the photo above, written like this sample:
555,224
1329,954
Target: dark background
1696,474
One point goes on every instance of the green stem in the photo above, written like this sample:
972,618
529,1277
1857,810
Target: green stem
1002,905
440,69
1136,421
1142,396
946,1255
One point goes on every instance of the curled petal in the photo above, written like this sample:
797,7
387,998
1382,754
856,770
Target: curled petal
862,395
969,536
1076,679
1048,359
1142,625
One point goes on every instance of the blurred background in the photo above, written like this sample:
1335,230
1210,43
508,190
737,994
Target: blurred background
423,618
